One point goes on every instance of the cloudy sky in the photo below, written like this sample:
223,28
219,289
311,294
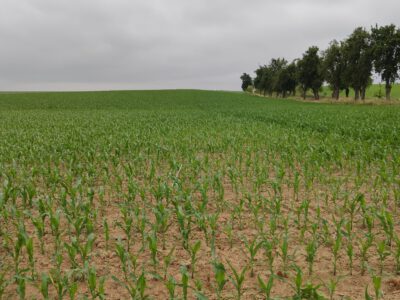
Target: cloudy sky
146,44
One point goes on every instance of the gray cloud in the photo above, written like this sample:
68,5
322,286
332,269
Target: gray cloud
131,44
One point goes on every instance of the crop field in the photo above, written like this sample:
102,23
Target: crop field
197,195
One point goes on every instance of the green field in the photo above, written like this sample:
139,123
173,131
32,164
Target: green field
375,91
124,195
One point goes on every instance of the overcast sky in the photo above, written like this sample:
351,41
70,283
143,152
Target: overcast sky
132,44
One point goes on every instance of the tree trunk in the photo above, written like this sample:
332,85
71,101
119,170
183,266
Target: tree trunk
347,92
388,88
304,94
356,94
363,90
336,93
316,94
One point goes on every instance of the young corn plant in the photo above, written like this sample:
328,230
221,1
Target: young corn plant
377,284
184,282
171,284
106,229
332,286
213,224
44,286
128,262
141,220
269,249
228,230
238,213
39,226
126,224
220,278
162,215
134,285
142,285
18,246
311,252
96,287
307,291
201,221
167,261
252,249
349,245
55,228
353,206
386,219
193,251
364,245
184,222
153,247
21,286
29,250
284,252
336,245
266,287
84,248
238,279
60,281
350,255
382,253
72,251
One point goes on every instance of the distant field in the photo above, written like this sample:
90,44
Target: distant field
373,92
167,194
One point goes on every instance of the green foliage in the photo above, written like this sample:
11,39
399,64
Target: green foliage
238,279
246,81
93,179
358,54
334,66
277,76
310,72
220,277
386,54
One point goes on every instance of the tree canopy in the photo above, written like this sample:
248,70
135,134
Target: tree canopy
344,64
386,54
246,81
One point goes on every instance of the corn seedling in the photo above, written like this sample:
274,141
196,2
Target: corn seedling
184,282
171,284
311,251
44,286
382,253
167,261
153,247
252,249
193,250
238,279
220,277
96,287
266,287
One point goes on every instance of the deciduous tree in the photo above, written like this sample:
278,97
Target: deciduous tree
334,66
246,81
310,72
358,54
385,42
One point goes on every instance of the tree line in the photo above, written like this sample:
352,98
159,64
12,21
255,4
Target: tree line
343,65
